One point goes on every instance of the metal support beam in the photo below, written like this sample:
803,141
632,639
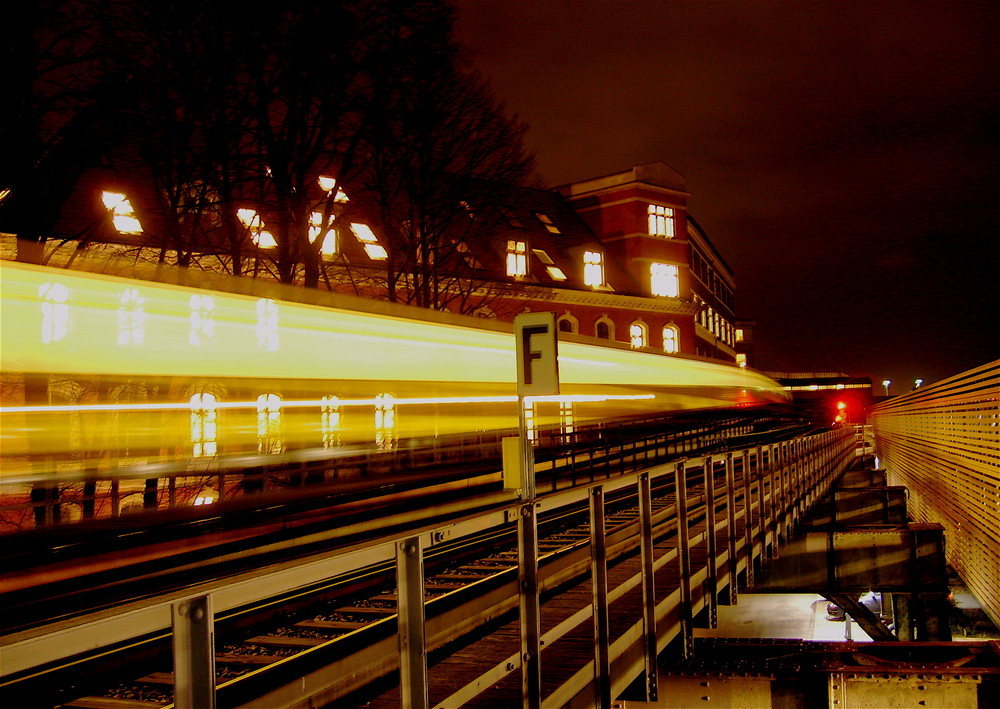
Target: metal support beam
599,584
763,522
731,526
194,653
648,587
748,527
413,687
684,559
712,529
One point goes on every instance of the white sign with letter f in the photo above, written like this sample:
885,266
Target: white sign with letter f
537,354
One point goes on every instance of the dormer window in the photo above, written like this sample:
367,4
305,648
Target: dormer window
508,214
375,251
328,244
554,271
547,222
328,183
261,237
593,269
661,221
122,214
517,258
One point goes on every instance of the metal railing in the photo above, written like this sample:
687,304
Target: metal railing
943,443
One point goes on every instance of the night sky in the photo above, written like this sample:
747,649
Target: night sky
843,156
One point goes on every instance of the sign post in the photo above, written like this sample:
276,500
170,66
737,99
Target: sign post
537,375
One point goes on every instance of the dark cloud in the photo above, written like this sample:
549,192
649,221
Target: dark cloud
842,155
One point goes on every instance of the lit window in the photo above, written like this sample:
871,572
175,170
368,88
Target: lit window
741,359
517,258
269,424
122,214
202,319
328,246
4,194
663,280
671,340
661,221
375,251
547,222
637,334
55,312
554,271
131,318
593,268
327,184
330,421
203,426
260,236
267,324
511,218
468,209
739,334
385,422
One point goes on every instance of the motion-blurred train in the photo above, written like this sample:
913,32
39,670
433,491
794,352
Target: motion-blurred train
101,371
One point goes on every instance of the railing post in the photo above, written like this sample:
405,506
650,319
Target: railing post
731,526
711,528
194,653
648,586
684,558
748,533
599,584
413,687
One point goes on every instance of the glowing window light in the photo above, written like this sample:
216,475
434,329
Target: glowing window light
253,222
637,334
328,183
269,439
661,221
328,247
4,194
671,339
366,236
554,271
330,421
547,222
593,268
55,311
663,280
741,359
122,214
204,500
267,324
517,258
131,318
385,422
204,429
202,320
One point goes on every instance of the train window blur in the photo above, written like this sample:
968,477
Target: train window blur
637,334
671,339
566,416
204,430
663,279
267,324
269,435
202,320
385,422
122,214
55,311
330,421
131,318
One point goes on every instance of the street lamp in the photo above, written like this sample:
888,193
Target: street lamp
917,383
886,383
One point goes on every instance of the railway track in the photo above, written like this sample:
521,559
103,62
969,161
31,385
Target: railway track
261,645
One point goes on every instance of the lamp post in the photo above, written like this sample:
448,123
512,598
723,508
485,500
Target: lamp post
886,383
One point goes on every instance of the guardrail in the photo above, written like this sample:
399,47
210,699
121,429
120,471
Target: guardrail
943,443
